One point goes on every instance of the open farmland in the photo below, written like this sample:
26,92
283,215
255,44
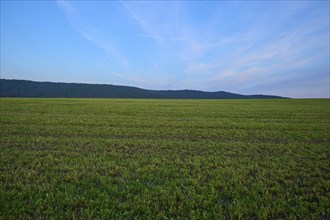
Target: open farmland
144,158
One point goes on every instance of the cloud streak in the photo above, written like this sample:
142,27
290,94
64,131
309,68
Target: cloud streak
90,33
150,33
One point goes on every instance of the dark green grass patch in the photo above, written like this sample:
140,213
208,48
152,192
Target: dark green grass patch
141,159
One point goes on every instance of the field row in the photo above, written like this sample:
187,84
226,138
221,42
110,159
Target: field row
222,135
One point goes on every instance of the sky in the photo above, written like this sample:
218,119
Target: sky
247,47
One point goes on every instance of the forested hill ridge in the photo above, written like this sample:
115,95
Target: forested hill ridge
26,88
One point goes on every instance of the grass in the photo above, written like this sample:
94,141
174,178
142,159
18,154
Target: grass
161,159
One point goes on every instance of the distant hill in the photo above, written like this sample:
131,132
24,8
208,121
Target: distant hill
25,88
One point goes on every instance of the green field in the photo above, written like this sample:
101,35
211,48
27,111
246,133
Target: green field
161,159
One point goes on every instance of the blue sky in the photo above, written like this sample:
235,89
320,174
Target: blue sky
248,47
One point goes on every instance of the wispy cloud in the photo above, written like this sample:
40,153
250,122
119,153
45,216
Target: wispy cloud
164,33
244,47
218,54
266,56
150,33
91,33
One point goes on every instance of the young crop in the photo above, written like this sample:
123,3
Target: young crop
161,159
